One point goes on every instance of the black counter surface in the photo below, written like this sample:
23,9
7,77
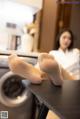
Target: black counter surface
64,101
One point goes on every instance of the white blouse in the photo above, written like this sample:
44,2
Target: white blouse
69,60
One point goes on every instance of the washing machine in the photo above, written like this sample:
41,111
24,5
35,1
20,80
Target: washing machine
15,97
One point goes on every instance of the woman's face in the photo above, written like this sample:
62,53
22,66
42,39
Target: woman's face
65,40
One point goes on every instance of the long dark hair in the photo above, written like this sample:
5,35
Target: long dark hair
57,44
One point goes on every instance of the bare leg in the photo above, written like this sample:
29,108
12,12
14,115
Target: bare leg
49,65
26,70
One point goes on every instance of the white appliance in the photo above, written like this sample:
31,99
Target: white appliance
14,95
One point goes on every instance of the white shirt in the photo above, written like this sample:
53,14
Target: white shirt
69,60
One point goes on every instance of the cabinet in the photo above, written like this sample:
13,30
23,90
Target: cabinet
55,16
48,25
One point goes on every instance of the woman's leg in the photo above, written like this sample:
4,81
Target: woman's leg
49,65
24,69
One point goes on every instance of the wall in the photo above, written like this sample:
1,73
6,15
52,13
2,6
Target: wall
36,4
6,35
75,24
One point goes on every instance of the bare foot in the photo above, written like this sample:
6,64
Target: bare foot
25,70
49,65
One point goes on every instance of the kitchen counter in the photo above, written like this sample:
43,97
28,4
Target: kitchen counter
64,100
23,54
30,57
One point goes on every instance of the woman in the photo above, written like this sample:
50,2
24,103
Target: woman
67,56
49,65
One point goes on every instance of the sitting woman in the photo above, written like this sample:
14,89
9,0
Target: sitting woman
53,66
67,57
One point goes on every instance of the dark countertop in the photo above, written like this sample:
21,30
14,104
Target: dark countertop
64,101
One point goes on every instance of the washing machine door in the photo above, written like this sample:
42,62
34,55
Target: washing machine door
13,90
